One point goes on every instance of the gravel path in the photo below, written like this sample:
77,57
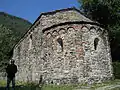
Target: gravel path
110,87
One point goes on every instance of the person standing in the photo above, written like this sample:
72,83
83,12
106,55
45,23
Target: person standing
11,70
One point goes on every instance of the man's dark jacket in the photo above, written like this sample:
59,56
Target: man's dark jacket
11,70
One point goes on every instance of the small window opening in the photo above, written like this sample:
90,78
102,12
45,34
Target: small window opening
30,42
96,43
30,36
60,41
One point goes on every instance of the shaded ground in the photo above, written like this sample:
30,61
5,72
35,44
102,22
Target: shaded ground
22,88
110,85
2,88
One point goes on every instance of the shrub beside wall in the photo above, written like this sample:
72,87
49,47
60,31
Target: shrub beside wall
116,70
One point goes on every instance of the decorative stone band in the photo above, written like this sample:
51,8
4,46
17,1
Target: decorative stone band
72,22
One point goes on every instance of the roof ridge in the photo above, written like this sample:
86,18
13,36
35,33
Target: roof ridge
59,10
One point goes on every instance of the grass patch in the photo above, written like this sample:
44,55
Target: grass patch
57,87
33,86
2,83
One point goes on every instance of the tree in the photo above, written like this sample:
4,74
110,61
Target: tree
6,44
107,13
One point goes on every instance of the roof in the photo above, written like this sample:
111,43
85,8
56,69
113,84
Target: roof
48,14
54,12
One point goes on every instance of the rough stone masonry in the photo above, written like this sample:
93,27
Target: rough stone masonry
64,47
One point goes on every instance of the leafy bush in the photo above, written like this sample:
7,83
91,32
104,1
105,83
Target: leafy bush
116,70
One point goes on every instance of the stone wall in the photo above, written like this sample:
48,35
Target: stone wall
64,52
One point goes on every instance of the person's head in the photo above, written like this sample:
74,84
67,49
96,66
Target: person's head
12,61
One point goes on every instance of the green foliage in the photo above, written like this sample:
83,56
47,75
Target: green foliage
116,70
11,30
57,87
105,12
2,83
16,24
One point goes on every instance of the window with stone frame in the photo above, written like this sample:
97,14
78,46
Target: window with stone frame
59,45
30,42
96,40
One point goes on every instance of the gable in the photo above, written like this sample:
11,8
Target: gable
57,17
61,16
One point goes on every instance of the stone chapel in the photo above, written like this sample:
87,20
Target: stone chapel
64,47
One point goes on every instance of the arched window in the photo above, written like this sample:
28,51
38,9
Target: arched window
96,43
30,42
60,42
